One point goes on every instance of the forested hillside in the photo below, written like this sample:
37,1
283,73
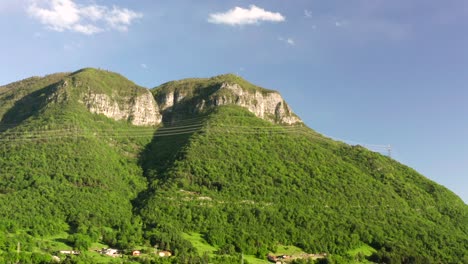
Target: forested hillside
76,173
64,169
248,185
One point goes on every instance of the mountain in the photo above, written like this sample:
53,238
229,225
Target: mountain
90,157
186,98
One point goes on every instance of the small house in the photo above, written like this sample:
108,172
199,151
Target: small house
272,258
164,253
136,253
109,252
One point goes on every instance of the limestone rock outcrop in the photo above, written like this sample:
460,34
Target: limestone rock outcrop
265,104
146,108
139,110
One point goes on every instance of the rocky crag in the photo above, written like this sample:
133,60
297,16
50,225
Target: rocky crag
120,99
191,96
140,110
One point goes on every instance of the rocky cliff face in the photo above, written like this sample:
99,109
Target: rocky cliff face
114,96
140,110
268,105
147,109
169,100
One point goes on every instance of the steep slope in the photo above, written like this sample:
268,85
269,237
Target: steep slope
102,92
63,168
249,185
179,99
22,98
101,159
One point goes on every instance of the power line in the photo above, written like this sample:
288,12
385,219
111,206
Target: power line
373,147
178,127
147,133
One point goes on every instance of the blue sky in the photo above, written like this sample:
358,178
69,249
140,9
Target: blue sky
368,71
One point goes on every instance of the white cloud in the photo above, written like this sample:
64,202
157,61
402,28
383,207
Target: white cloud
288,41
63,14
86,29
66,15
144,66
242,16
121,18
93,12
307,13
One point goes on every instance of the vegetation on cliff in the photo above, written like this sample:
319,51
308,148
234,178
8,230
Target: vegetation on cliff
245,185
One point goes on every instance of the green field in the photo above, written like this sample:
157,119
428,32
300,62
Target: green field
199,243
203,247
365,250
288,250
254,260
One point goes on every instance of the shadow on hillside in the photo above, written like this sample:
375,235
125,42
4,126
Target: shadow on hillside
28,106
166,147
64,241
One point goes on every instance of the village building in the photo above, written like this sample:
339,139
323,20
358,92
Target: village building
164,254
110,252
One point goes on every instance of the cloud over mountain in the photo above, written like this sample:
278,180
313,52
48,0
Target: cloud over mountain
244,16
67,15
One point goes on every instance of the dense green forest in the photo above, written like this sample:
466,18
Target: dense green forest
70,179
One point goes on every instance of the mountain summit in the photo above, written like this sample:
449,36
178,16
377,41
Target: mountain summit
209,169
191,96
116,97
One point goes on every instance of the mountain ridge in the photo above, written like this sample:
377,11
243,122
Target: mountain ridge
244,183
138,106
